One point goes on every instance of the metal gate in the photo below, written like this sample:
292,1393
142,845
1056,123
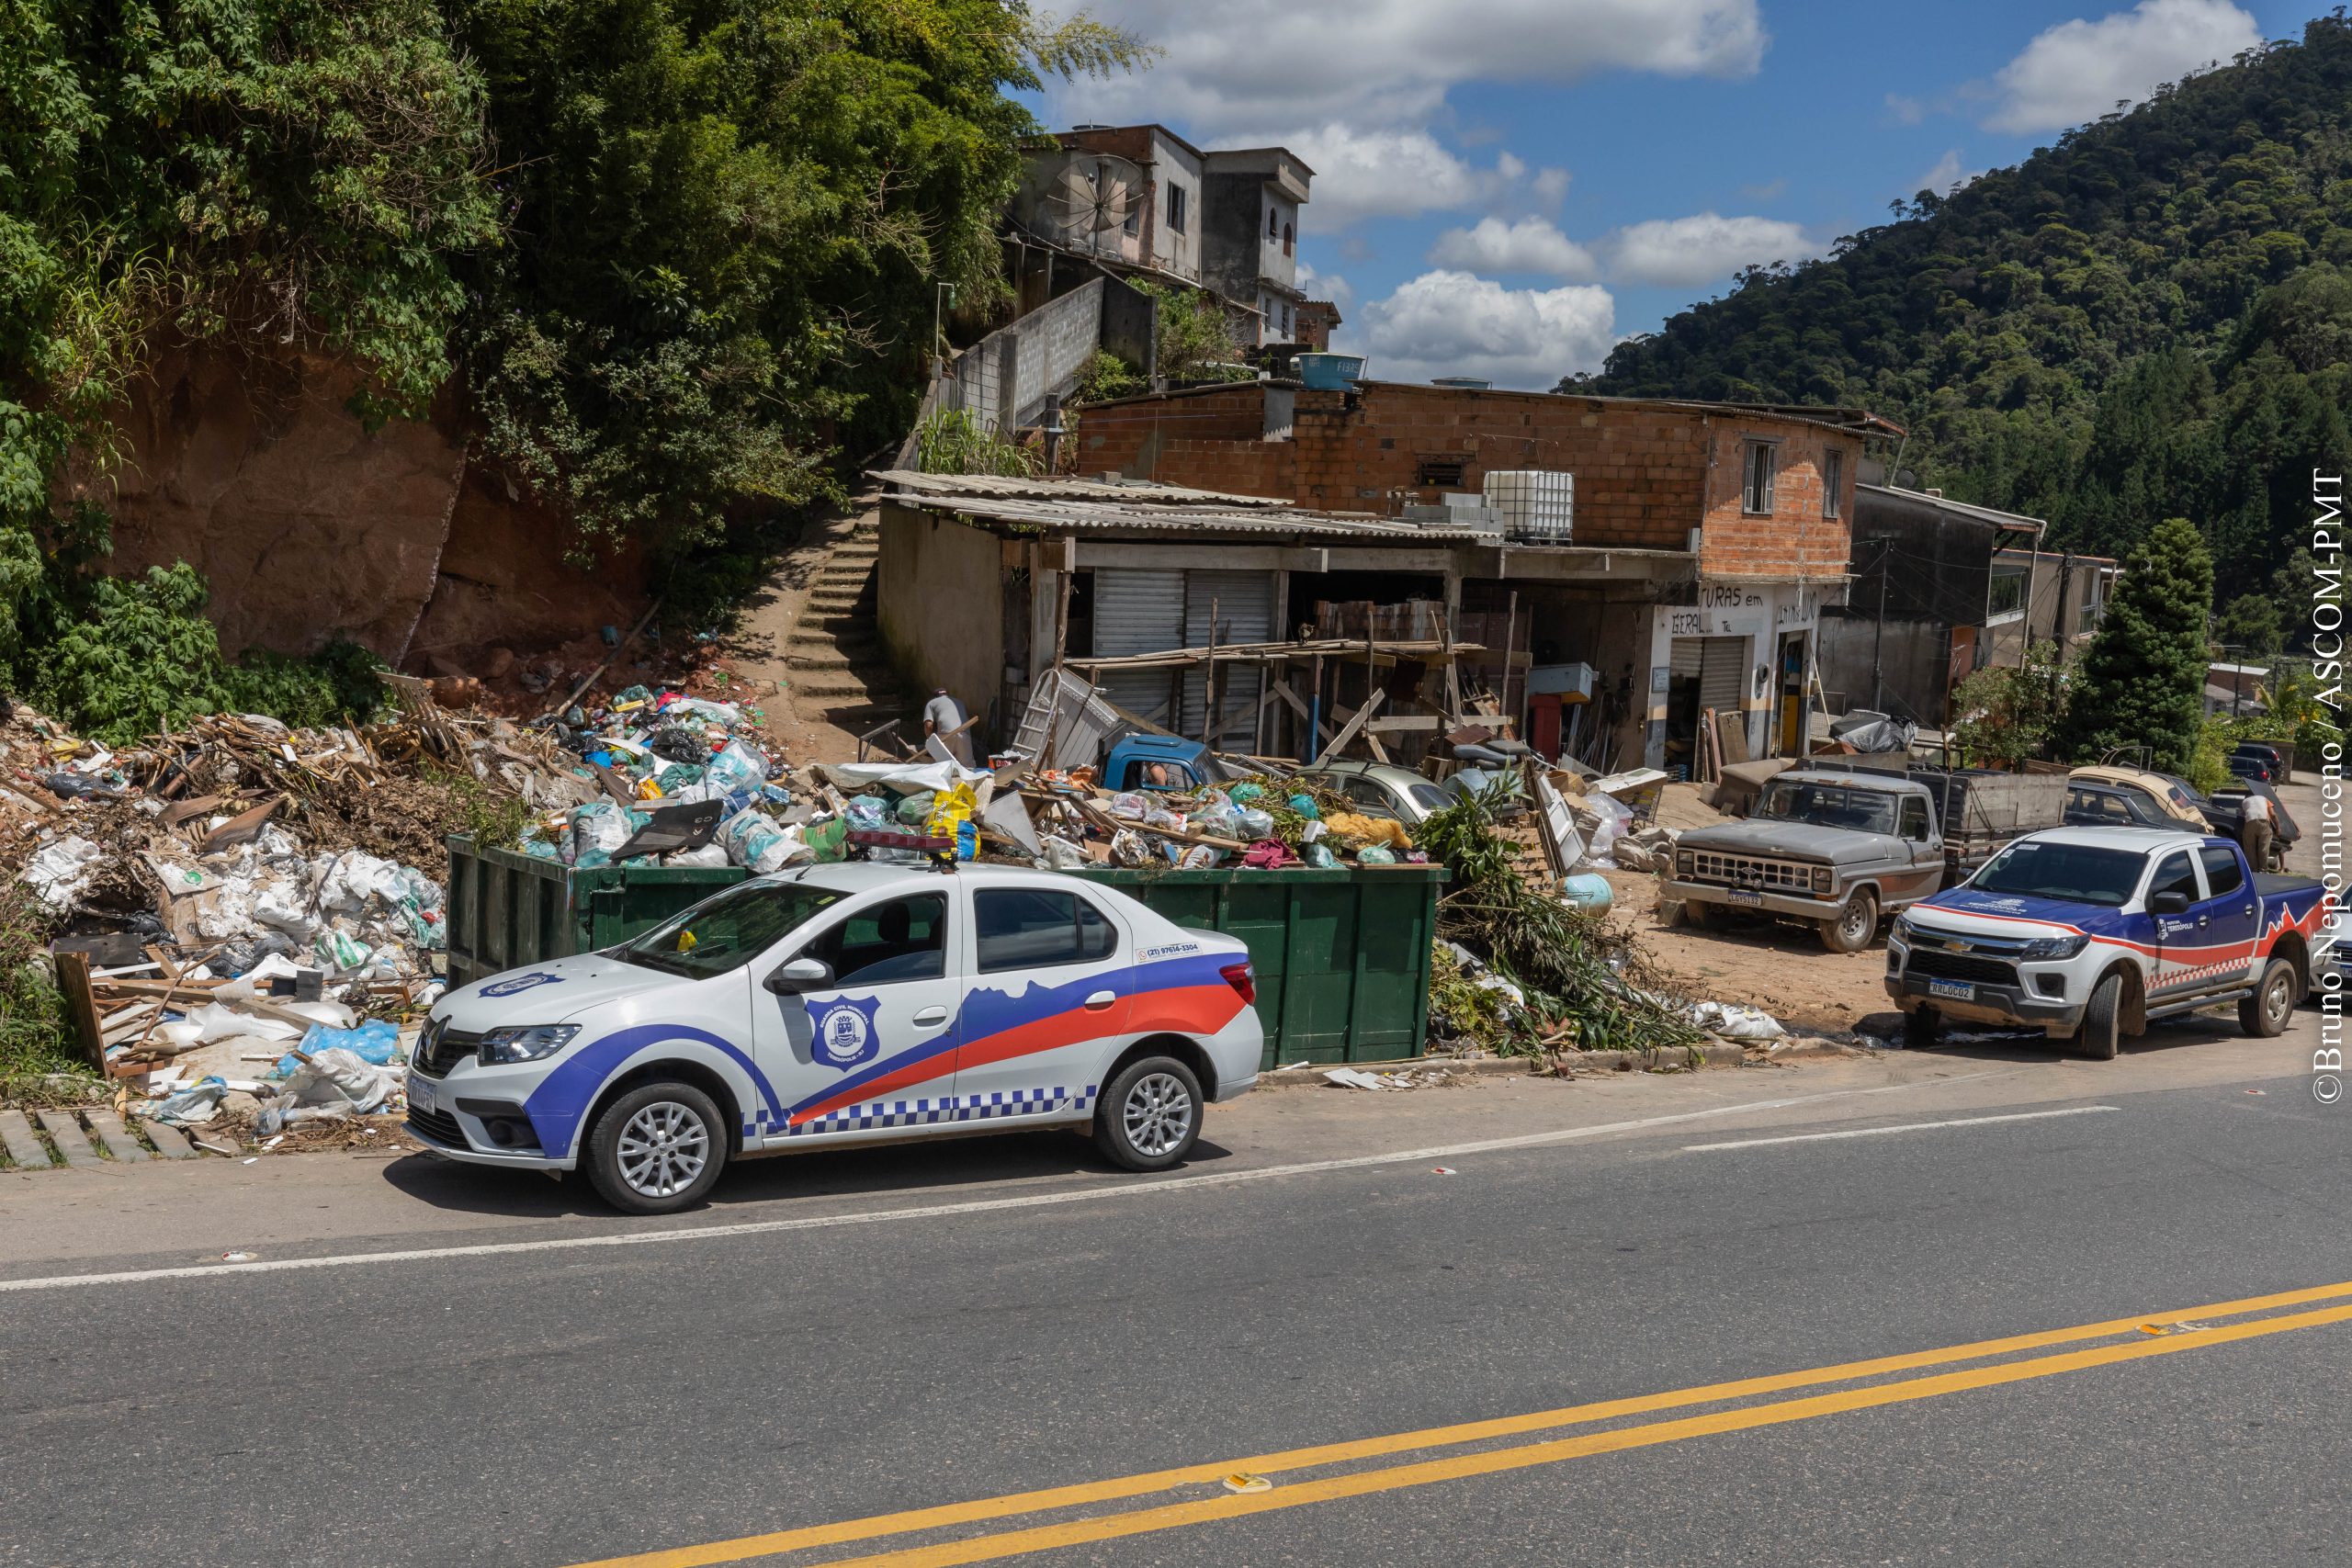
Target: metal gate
1723,673
1244,602
1138,611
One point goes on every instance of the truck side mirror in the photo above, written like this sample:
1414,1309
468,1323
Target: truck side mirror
2169,902
799,975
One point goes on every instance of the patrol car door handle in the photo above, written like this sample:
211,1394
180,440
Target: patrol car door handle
930,1016
1099,1000
2248,910
2202,921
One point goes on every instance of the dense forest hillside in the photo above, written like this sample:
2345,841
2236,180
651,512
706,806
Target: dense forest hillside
2150,319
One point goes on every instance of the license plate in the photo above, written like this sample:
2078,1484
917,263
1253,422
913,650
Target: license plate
419,1093
1745,896
1959,991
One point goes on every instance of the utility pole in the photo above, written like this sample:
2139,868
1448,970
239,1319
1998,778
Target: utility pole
1885,543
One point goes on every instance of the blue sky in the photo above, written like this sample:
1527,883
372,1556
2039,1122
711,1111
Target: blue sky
1507,187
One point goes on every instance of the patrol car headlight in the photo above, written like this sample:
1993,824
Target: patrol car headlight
2055,946
527,1045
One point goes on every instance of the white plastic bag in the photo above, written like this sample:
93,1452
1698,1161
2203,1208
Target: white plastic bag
60,871
1736,1020
338,1078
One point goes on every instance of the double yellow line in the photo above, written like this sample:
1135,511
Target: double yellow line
2162,1334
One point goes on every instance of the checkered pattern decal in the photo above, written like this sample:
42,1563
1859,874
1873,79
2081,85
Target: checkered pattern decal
926,1112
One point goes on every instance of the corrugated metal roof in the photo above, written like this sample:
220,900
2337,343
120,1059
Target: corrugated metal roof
1104,517
997,486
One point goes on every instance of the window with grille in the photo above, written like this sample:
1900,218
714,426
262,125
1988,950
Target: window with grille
1757,469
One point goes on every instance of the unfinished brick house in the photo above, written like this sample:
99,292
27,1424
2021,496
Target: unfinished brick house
1753,501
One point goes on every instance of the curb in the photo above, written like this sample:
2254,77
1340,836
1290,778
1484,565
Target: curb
1581,1064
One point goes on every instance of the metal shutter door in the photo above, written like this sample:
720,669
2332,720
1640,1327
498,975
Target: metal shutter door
1245,613
1683,656
1723,673
1138,611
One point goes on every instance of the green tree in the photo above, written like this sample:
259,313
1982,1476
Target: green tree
2009,715
2142,680
1193,340
2249,625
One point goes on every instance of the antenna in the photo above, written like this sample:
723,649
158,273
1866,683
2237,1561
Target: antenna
1094,194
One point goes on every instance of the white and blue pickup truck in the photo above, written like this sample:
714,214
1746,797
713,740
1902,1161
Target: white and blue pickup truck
2091,933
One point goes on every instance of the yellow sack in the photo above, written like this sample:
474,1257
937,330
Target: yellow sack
1369,830
950,810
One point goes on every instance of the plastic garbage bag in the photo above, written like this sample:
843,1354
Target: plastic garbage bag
1128,807
1736,1020
376,1042
914,810
336,1077
1376,854
1198,857
737,766
58,873
757,843
1320,857
1055,853
217,1021
1609,821
1305,806
675,743
1128,849
1251,823
197,1104
710,855
868,812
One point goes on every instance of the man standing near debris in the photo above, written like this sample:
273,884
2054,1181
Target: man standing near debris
944,716
2254,835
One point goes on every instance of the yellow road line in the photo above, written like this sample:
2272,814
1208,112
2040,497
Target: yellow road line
1120,1488
1214,1510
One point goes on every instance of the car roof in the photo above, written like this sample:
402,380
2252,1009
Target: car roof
1826,776
2141,839
1388,773
855,877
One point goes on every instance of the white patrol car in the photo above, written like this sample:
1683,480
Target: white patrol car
842,1004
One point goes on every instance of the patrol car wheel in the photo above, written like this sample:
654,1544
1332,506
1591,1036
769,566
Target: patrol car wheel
1851,929
2264,1014
2101,1034
1150,1114
657,1148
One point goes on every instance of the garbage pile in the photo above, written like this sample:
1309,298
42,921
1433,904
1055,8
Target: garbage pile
1258,823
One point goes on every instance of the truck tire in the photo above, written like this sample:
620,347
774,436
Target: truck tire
1921,1025
2264,1015
657,1148
2101,1034
1852,929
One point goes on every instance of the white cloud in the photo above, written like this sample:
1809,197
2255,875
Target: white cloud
1388,173
1451,323
1769,190
1945,174
1532,245
2078,70
1549,186
1684,251
1906,111
1234,66
1317,285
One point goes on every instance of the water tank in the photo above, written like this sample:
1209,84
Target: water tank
1537,506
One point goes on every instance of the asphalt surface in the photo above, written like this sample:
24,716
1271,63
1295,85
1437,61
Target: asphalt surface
923,1327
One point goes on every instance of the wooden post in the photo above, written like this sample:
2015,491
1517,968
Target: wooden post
1209,684
1511,659
1061,615
81,1007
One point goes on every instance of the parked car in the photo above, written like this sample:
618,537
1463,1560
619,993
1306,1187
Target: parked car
1138,761
2278,756
842,1004
2093,934
1379,789
1835,849
2246,766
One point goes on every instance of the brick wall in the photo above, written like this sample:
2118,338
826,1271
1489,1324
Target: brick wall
1645,475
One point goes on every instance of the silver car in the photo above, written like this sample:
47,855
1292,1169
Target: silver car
1379,789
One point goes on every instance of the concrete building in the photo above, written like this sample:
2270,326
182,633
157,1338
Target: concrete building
1752,503
2036,596
1249,235
1318,320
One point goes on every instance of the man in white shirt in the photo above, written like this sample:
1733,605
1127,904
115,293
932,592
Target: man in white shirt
2257,833
944,716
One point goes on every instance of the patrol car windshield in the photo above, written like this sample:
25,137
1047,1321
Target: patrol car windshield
729,931
1828,806
2079,873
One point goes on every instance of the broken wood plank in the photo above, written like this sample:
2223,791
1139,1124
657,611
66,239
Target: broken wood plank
66,1134
24,1146
179,811
240,827
114,1136
81,1006
170,1142
1347,734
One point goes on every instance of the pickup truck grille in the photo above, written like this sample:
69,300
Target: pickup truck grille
440,1047
1962,966
1751,870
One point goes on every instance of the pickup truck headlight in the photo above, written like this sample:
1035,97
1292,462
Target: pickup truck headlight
2043,947
1685,862
1821,879
527,1045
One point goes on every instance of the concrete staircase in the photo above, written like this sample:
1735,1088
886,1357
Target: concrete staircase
834,651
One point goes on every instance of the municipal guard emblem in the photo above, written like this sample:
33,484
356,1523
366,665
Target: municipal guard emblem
843,1031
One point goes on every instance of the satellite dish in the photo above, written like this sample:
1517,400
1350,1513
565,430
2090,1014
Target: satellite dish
1093,194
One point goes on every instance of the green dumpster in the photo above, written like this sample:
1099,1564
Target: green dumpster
508,909
1342,956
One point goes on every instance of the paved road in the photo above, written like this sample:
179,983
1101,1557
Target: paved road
851,1336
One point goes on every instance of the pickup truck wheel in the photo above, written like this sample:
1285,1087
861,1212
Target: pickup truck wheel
1851,929
657,1148
2101,1035
2264,1014
1921,1024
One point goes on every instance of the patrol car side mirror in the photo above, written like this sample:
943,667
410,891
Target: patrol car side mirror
2169,903
801,975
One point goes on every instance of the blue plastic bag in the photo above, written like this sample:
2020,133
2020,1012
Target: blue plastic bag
376,1042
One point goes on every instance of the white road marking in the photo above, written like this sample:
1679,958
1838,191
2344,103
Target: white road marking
942,1210
1906,1127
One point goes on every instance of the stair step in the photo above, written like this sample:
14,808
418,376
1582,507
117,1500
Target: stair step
840,626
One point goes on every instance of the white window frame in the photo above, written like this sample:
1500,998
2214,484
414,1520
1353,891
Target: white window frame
2022,576
1753,453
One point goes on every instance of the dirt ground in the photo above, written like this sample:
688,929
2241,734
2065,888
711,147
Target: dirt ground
1782,968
